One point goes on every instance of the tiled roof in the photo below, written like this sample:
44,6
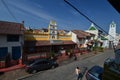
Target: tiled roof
45,43
77,32
11,28
81,34
103,38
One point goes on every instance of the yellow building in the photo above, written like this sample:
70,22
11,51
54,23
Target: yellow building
44,41
51,34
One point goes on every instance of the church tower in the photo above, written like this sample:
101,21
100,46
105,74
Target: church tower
112,34
112,31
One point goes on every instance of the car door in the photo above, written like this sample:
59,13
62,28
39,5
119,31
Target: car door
46,64
38,66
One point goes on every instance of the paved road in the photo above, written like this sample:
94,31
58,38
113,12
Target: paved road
66,72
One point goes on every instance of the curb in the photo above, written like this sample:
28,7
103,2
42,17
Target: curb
29,75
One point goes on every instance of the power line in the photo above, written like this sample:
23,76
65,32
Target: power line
9,10
85,16
88,18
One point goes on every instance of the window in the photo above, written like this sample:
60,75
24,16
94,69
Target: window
12,38
38,63
45,62
53,37
53,32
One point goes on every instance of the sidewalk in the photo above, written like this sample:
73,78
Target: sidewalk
12,68
20,65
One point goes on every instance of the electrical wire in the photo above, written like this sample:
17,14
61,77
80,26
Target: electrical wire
85,16
89,20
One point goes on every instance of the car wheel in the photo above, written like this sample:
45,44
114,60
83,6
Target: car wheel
34,71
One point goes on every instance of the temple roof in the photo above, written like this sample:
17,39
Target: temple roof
92,27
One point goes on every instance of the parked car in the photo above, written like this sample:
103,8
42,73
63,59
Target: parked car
94,73
40,64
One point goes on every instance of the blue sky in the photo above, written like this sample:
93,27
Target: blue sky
38,13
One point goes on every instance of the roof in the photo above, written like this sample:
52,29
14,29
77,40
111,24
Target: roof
46,43
82,34
92,27
103,38
96,69
115,4
11,28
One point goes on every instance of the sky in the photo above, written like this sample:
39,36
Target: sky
38,13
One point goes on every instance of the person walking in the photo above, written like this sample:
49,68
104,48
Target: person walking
78,73
75,57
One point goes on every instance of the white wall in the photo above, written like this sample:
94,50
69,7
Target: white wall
93,32
74,37
4,43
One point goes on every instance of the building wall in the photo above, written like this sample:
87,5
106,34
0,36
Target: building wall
44,36
74,37
64,37
93,32
4,43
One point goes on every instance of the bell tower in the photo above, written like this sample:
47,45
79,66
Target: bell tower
112,31
52,30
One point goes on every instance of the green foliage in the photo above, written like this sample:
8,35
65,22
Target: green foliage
100,49
52,54
95,48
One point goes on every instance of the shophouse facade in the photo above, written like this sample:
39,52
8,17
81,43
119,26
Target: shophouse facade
46,42
11,42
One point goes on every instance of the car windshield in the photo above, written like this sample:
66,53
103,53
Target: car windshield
30,62
96,71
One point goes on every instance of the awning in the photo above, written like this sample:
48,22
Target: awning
47,43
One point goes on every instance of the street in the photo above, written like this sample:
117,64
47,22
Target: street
66,72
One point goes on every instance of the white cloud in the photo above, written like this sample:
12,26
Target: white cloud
32,10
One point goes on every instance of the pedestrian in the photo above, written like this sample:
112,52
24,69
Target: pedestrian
78,73
75,57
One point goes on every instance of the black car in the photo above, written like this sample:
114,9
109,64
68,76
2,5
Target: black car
40,64
95,73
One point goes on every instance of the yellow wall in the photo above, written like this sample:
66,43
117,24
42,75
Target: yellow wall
31,35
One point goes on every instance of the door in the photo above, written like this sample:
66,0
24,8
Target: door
16,52
39,66
3,52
